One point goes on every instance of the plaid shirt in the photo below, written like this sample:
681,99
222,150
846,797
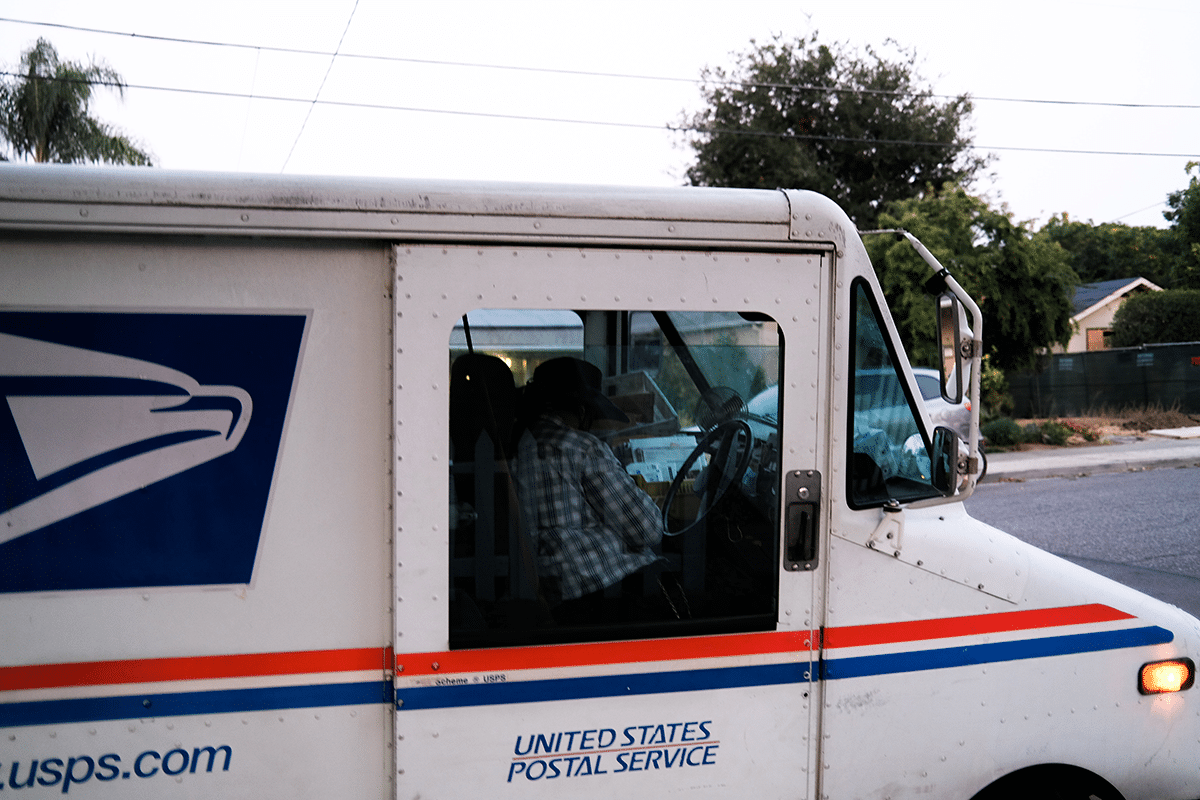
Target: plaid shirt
590,523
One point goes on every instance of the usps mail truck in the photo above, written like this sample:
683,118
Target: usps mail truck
264,531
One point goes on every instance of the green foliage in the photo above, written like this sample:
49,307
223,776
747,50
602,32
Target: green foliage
1055,433
994,399
1184,215
860,129
44,112
1005,432
1158,317
1002,432
1111,251
1021,281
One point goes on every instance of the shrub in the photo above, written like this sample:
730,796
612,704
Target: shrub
1151,317
1079,428
1002,432
994,400
1055,433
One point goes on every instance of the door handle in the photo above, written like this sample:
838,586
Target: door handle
802,529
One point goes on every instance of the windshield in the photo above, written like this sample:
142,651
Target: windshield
929,383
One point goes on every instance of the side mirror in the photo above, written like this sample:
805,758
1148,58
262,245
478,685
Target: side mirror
949,338
944,458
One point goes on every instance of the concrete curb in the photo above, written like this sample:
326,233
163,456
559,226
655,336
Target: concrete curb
1150,453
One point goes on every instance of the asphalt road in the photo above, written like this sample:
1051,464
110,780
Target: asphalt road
1139,528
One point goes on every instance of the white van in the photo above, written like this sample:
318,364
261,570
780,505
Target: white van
263,529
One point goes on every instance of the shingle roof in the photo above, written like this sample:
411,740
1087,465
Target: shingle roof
1089,294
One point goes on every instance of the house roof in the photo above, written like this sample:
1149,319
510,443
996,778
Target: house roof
1089,296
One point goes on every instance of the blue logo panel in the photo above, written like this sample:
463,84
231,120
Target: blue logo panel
138,449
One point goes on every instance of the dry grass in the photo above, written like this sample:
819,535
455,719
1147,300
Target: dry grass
1102,424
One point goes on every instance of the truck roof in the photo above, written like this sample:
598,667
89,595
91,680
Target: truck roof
131,199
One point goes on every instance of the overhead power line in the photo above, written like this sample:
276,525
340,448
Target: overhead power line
580,73
317,96
634,125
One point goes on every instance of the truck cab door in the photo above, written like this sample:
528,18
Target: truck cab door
694,672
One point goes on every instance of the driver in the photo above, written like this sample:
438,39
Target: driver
590,523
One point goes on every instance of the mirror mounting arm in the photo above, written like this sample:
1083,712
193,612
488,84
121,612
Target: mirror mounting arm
970,346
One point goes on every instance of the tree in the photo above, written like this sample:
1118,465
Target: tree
1110,251
1021,281
1184,215
1158,317
44,112
858,128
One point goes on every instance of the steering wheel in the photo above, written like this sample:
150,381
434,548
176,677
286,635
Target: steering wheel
731,445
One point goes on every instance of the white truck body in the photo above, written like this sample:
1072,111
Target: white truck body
228,569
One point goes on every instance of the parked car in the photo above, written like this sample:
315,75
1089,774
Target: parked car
956,416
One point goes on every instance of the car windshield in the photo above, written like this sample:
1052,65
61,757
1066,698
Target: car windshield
929,385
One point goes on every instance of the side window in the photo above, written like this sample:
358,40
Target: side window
626,488
889,457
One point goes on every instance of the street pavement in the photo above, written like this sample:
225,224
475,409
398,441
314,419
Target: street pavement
1178,447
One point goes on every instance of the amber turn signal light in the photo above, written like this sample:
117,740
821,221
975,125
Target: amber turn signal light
1159,677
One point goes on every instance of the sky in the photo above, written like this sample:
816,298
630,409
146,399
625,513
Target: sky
1088,108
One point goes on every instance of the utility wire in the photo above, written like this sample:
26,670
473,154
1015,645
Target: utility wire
581,73
1139,211
317,96
678,129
